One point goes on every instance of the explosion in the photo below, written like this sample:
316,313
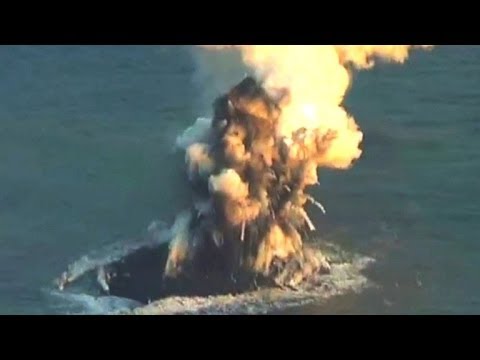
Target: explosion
252,163
250,167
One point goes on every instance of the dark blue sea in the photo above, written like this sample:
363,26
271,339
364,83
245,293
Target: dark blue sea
87,159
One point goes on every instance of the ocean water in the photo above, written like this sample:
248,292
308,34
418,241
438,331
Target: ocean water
86,160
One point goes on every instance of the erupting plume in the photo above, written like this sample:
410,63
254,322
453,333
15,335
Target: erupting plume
251,164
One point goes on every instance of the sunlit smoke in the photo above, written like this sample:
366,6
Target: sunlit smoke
317,78
252,163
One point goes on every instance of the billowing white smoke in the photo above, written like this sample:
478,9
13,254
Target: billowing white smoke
317,77
252,163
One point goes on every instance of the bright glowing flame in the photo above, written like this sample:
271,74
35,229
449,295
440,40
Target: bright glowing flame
318,78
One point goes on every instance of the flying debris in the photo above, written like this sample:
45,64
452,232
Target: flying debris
250,167
250,195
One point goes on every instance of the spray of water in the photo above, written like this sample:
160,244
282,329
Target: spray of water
251,164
